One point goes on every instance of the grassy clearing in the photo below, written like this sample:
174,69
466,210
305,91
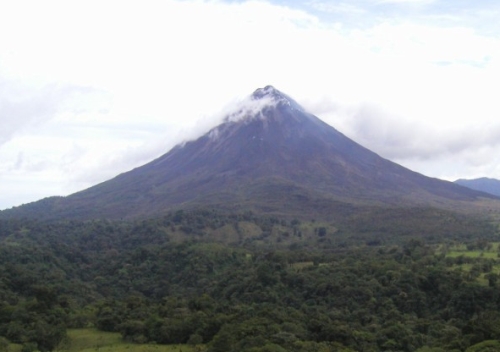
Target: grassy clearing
491,254
91,340
14,347
462,250
473,254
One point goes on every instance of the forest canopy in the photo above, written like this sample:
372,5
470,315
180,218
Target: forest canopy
240,282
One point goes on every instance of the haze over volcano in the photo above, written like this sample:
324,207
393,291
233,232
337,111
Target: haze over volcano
270,156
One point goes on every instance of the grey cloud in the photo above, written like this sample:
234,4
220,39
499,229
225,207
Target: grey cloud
22,108
19,162
112,164
26,164
395,138
386,134
321,107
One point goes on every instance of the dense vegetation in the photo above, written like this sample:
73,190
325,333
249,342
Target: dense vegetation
248,283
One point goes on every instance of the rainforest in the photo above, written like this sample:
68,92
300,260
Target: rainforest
210,281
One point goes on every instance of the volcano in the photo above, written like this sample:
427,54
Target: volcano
269,155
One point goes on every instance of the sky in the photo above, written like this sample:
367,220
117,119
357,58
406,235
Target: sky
91,89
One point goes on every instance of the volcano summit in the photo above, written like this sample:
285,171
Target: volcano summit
270,156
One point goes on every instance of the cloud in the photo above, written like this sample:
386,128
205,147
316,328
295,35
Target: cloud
85,165
25,108
248,107
395,138
407,81
20,109
337,7
405,1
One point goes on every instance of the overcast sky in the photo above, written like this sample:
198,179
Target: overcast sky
90,89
